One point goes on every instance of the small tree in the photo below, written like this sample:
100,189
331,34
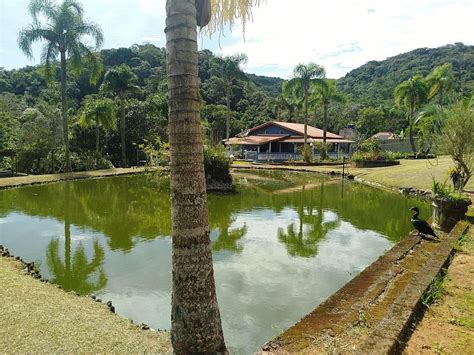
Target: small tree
457,138
98,113
121,81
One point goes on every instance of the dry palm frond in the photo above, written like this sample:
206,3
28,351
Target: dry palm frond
226,12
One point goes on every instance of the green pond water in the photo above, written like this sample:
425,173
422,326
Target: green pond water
282,244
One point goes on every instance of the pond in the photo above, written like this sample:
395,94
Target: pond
282,244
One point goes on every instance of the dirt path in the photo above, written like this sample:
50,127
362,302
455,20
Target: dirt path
37,317
448,325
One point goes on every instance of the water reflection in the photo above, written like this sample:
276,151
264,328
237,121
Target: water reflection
282,244
76,275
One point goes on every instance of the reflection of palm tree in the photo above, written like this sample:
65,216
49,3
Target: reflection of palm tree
296,244
304,242
228,239
74,277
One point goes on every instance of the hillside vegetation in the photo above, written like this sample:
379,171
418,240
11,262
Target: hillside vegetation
374,82
30,104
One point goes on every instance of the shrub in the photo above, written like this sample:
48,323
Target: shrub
371,149
217,165
157,152
443,191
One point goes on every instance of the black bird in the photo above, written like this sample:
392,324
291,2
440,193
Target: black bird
421,226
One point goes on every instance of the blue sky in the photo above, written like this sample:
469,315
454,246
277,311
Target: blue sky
339,34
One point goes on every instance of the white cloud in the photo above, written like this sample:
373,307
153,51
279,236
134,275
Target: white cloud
342,35
339,34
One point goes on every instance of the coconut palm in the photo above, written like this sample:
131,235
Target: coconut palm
411,94
226,71
292,103
63,33
195,317
304,79
440,81
325,93
121,81
98,113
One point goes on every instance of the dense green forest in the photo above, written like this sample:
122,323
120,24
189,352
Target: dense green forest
30,104
374,82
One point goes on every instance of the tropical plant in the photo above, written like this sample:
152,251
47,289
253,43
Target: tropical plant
195,316
457,138
411,94
226,71
326,92
98,113
429,123
440,81
305,77
63,32
121,81
217,165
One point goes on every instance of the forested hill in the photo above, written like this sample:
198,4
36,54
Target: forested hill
373,83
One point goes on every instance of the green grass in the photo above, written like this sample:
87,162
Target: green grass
435,291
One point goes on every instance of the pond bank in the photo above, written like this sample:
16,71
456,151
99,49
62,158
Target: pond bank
373,313
37,316
29,180
448,324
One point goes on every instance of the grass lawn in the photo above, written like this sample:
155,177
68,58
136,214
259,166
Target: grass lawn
37,317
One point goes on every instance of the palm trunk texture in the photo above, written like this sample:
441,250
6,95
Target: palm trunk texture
195,317
68,167
227,123
122,130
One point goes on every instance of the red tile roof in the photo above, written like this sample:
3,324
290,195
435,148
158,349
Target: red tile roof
298,128
254,140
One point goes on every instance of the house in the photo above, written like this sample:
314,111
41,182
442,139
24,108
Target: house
281,141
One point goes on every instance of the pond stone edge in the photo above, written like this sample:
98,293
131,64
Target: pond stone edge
29,269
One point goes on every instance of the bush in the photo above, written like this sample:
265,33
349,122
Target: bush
157,152
217,165
444,191
371,149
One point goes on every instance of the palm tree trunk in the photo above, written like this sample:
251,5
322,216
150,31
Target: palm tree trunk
97,147
305,117
195,317
411,130
324,154
64,112
228,93
122,130
325,123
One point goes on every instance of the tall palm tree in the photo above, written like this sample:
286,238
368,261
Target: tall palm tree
304,79
440,81
195,317
226,71
325,93
97,113
63,31
121,81
411,93
292,103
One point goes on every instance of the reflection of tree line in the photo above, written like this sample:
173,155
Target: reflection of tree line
127,207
